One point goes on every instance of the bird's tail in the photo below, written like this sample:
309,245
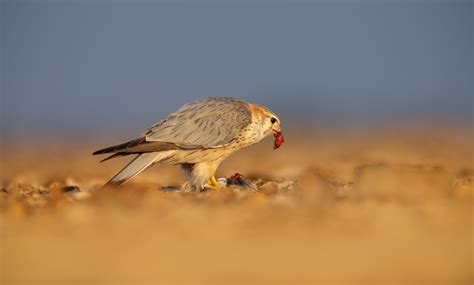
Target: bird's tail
137,165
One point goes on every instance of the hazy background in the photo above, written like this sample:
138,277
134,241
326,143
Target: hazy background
106,68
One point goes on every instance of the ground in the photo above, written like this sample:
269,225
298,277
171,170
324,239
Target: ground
391,207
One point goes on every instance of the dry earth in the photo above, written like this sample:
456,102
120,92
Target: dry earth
373,208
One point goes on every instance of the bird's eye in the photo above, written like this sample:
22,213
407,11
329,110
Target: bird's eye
273,120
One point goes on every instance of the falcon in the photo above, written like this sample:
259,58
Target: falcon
198,136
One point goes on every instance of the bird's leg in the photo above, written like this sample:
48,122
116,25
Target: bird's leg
203,172
213,182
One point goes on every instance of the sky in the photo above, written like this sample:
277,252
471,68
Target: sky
103,67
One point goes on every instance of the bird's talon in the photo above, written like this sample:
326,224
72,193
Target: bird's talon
213,182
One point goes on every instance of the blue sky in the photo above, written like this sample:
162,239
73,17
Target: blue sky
89,66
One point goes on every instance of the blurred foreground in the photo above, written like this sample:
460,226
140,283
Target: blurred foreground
355,209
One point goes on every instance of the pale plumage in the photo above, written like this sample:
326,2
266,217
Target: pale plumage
206,123
198,136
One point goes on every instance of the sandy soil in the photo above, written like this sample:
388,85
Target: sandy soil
378,208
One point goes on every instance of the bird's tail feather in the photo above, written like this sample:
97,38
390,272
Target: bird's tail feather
137,165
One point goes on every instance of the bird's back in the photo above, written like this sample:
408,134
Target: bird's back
207,123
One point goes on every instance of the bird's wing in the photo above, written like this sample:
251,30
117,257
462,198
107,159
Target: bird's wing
135,146
206,123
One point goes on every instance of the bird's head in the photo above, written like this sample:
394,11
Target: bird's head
269,124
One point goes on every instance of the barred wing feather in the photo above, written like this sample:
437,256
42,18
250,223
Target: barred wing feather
207,123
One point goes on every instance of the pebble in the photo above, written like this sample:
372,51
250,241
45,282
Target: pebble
71,189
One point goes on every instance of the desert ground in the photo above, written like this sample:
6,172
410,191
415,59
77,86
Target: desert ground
375,207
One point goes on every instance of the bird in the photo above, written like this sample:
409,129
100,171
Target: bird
198,136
